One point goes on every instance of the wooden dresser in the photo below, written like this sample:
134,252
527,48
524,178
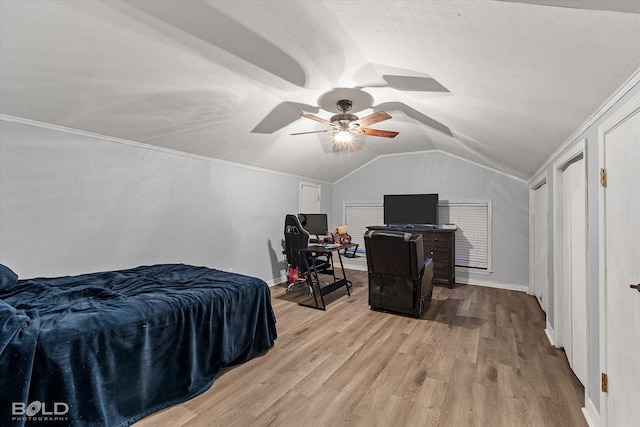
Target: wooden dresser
439,245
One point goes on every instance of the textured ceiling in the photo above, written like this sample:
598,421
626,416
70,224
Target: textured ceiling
501,83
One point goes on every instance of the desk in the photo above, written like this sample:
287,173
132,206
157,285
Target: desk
312,274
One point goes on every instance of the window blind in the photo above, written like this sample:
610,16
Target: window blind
473,221
358,216
473,235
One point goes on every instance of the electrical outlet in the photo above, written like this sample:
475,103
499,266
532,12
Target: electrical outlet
230,269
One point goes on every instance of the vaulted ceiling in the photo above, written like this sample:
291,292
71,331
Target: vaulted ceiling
501,83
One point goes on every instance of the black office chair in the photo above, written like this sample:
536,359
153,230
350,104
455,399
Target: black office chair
296,238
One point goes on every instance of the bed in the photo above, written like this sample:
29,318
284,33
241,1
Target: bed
109,348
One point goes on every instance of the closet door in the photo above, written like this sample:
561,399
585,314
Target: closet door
309,198
620,301
540,244
574,267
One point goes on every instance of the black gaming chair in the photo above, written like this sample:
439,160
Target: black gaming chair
296,238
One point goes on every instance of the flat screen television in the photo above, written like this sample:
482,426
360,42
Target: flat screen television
316,224
411,209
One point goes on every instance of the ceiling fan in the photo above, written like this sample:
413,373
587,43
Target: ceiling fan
344,125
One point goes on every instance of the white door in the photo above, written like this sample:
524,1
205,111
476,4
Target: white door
574,267
622,269
540,246
309,198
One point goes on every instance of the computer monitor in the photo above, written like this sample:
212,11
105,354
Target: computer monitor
316,224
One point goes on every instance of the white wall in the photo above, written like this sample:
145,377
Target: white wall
72,203
453,179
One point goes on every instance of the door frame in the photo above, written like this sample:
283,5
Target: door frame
573,154
536,184
609,124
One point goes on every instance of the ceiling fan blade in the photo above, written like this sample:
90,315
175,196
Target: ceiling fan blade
376,117
317,119
377,132
313,131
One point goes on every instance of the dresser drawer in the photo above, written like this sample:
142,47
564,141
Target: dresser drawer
442,269
439,255
436,240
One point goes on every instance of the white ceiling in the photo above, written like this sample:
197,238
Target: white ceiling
501,83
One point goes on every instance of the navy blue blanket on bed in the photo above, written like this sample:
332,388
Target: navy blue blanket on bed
106,349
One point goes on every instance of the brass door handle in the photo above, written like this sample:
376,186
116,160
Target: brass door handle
636,287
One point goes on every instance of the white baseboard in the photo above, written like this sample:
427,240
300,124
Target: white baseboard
591,414
551,334
359,263
506,286
276,281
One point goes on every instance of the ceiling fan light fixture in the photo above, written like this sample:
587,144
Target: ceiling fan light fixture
342,137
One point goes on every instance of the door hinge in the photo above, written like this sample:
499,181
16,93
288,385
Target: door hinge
603,177
605,383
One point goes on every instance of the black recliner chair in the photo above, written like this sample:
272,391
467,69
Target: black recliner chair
400,278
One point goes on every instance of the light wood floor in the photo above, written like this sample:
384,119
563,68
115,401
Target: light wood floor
478,357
